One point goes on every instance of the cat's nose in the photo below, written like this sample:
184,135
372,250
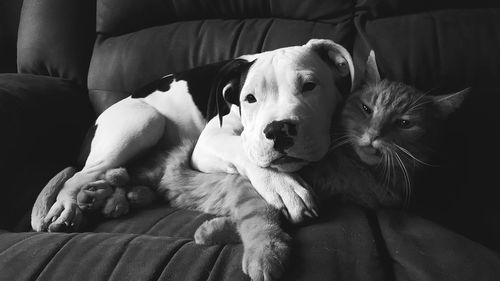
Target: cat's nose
370,139
282,133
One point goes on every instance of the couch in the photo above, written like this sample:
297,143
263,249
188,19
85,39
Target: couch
62,62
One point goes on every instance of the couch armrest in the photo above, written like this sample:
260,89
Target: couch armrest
43,121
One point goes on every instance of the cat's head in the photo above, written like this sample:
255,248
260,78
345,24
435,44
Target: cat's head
394,124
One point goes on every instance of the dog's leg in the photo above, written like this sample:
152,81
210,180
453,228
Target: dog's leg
123,131
219,149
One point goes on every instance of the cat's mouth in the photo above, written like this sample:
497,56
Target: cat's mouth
369,154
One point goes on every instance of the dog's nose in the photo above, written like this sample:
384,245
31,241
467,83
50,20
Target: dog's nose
282,133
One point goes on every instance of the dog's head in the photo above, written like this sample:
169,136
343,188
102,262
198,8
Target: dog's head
286,99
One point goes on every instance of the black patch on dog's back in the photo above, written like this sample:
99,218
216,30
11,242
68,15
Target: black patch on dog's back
162,84
201,82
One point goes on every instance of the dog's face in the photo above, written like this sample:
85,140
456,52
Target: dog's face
287,101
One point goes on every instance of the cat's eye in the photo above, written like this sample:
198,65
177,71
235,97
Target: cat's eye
308,86
250,98
366,109
404,124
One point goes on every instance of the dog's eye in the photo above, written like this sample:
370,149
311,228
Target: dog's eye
404,123
308,86
250,98
366,108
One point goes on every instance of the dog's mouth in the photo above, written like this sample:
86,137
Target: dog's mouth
287,163
285,159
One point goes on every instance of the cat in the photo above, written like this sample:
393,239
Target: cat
384,131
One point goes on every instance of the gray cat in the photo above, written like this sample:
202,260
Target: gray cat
384,131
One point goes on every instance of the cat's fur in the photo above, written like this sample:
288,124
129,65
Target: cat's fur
384,131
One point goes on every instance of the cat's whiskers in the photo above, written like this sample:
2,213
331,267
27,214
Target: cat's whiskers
406,176
415,104
342,140
409,154
387,170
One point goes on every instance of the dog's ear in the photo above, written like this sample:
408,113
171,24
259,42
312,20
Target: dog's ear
229,82
335,55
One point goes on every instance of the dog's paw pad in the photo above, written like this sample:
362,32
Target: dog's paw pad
93,195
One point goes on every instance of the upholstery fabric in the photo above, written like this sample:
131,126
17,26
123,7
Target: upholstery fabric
346,243
56,37
10,11
123,63
43,121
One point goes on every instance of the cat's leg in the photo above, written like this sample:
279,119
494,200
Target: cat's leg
219,230
266,245
117,204
140,196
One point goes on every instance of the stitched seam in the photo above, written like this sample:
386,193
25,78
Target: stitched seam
266,33
211,273
158,221
44,267
234,44
125,248
17,243
156,276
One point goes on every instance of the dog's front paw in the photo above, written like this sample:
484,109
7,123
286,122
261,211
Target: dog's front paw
266,260
286,192
63,216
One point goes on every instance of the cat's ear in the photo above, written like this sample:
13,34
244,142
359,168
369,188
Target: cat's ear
369,72
371,75
447,104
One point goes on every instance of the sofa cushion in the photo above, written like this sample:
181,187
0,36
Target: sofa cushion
116,17
346,243
43,121
447,49
121,64
56,38
10,11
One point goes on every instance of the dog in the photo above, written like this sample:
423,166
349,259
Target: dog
264,116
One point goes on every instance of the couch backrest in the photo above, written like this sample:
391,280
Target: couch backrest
56,38
142,40
116,46
10,11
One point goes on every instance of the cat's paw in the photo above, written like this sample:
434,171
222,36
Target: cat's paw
63,216
93,195
116,205
220,230
266,260
286,192
141,196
